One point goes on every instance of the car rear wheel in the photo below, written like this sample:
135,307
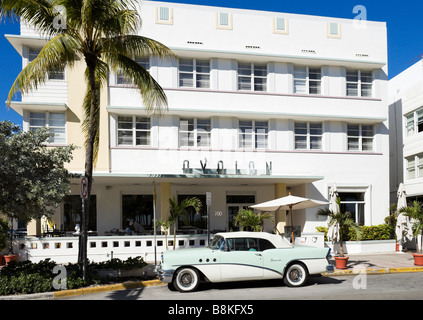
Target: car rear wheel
296,275
186,280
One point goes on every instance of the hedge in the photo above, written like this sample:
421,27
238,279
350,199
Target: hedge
25,277
379,232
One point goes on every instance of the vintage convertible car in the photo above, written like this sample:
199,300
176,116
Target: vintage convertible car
240,256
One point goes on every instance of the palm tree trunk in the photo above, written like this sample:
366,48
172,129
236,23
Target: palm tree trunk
91,64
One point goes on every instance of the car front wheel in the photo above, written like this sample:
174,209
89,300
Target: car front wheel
186,280
296,275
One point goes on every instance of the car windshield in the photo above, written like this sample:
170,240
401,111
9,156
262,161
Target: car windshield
217,243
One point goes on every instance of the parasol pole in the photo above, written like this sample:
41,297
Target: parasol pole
154,223
292,224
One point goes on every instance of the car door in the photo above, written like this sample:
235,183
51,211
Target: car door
241,260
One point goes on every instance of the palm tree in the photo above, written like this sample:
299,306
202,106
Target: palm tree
247,218
103,35
179,209
416,213
165,224
345,223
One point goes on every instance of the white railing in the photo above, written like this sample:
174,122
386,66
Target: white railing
102,248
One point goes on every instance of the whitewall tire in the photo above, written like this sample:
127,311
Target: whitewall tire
296,275
186,280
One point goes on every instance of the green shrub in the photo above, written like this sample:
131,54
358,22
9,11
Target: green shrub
25,277
379,232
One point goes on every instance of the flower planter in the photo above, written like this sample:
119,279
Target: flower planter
341,262
418,259
10,257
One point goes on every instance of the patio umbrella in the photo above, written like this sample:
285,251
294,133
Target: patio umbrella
333,228
404,226
288,203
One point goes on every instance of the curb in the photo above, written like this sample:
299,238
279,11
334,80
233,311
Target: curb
112,287
372,271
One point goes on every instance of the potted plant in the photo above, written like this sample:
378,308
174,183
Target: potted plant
415,212
344,222
11,256
4,228
250,220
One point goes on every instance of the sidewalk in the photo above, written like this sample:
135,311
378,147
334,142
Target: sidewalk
378,263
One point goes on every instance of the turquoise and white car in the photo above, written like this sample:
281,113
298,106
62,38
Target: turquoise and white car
241,256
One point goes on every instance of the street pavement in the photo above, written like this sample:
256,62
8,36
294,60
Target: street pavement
376,263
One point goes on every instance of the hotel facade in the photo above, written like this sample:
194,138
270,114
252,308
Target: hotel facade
260,104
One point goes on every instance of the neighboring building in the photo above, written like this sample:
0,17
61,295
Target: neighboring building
260,104
406,109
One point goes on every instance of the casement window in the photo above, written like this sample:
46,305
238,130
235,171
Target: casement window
354,203
414,122
194,132
56,122
53,75
360,137
359,83
133,131
252,77
253,134
121,79
414,167
308,135
194,73
307,80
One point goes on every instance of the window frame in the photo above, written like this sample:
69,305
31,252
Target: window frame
254,135
47,124
308,135
196,133
414,166
413,122
308,80
134,130
196,74
58,75
125,82
359,83
253,77
360,137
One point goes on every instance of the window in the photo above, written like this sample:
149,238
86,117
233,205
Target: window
414,166
194,73
253,134
359,83
137,208
414,122
280,25
164,15
307,80
56,122
193,218
194,132
333,30
252,77
133,131
308,135
360,137
121,79
353,202
53,75
72,208
224,20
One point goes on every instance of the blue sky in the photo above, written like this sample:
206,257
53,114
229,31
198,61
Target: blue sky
403,18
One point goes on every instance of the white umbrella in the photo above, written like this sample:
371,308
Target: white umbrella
404,226
333,228
288,203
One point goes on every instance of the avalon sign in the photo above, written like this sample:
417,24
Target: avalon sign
84,187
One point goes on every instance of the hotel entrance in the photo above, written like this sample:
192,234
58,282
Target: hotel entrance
235,203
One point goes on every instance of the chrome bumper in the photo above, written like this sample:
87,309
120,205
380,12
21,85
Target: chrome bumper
165,276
